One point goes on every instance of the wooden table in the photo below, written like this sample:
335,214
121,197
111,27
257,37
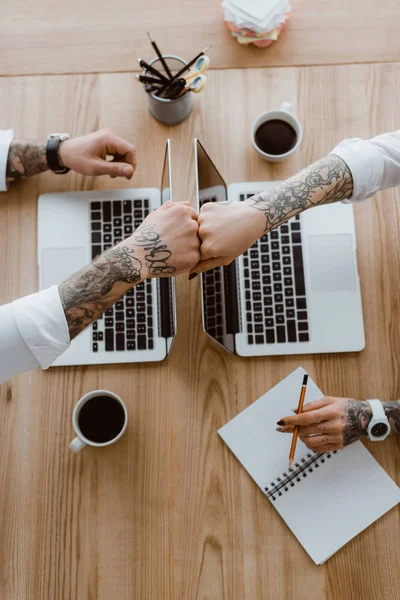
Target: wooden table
168,513
54,37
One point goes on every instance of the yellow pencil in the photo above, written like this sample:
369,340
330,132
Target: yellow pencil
296,429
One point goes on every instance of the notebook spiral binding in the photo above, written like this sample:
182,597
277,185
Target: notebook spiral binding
301,469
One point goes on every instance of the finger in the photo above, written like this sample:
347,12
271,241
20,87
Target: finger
206,250
189,210
331,427
114,169
118,146
308,418
205,265
317,404
315,442
212,205
167,205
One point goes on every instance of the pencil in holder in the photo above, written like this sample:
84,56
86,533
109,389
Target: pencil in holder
165,110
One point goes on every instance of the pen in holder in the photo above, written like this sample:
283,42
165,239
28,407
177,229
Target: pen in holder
165,110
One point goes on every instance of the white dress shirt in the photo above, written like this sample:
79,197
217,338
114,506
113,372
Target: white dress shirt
374,163
34,331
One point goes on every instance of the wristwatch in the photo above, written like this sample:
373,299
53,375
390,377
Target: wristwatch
379,426
52,152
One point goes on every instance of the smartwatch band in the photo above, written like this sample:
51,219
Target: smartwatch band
377,409
53,145
379,426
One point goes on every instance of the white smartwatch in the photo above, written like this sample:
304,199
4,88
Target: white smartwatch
379,426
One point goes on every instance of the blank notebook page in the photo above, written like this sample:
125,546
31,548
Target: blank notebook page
335,500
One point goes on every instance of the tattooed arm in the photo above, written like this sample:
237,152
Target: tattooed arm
91,291
86,155
165,245
34,329
25,159
326,181
332,423
228,229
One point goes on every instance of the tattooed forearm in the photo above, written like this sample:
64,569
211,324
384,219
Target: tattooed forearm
392,411
356,418
328,180
157,254
91,291
25,159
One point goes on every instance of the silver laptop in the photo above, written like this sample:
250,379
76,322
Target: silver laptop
295,291
73,228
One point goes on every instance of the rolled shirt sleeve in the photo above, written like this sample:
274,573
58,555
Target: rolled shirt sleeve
6,135
33,332
374,164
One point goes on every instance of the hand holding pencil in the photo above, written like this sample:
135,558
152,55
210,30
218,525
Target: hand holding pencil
329,424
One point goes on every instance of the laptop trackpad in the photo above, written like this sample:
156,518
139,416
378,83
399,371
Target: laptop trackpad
59,263
331,260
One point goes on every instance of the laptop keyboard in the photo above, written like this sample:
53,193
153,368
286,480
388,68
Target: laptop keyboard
275,294
128,325
213,310
212,282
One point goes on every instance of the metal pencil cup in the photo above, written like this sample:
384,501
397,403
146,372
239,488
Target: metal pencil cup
170,112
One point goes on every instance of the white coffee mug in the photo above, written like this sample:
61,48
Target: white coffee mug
282,114
81,441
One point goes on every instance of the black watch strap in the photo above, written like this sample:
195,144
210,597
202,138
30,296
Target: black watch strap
53,145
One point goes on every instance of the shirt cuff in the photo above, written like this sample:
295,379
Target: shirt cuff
6,137
42,324
366,166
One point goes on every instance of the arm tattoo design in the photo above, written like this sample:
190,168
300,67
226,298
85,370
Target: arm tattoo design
157,253
25,159
88,293
356,417
328,180
392,411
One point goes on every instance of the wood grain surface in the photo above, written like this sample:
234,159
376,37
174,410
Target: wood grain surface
168,513
85,37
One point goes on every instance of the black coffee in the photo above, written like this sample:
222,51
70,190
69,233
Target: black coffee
275,137
101,419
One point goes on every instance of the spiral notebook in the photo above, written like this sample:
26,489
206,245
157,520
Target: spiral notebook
326,499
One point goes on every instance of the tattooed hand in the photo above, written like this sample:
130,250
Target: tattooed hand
228,229
168,240
166,244
330,423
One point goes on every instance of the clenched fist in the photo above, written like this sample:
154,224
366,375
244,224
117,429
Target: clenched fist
226,230
167,241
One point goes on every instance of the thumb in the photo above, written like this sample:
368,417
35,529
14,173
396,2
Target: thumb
114,169
205,265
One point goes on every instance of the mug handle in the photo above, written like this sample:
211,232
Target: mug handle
286,106
77,444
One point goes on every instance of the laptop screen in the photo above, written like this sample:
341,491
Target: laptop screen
166,285
219,285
